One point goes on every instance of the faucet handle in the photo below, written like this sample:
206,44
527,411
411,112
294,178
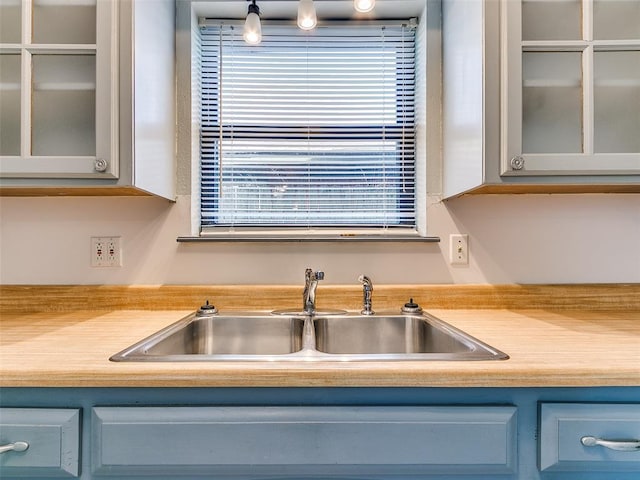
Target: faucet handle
309,275
366,282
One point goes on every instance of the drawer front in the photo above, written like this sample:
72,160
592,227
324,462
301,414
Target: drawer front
564,425
285,441
53,439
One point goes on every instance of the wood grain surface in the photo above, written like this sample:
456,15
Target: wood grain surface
571,348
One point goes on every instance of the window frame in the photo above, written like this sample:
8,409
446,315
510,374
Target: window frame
427,147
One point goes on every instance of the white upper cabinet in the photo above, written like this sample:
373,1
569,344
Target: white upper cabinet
68,84
558,106
59,74
572,87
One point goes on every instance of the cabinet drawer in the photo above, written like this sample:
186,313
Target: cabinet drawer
53,439
250,442
564,425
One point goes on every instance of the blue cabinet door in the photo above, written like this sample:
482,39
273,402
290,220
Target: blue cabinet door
52,438
586,437
255,442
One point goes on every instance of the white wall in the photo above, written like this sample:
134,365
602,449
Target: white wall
513,239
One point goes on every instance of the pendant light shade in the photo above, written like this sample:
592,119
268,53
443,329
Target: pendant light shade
307,19
364,6
252,32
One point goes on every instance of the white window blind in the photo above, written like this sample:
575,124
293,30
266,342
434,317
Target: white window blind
308,129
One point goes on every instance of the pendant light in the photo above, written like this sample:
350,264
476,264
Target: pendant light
364,6
252,32
307,19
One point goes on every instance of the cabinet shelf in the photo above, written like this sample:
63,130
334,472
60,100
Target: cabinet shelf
569,83
61,48
62,3
556,83
64,86
49,49
9,86
579,45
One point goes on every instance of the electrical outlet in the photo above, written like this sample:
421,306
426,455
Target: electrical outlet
459,249
106,252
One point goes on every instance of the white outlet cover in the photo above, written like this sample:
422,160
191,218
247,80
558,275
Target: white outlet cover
106,252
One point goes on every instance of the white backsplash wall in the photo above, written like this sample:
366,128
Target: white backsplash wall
513,239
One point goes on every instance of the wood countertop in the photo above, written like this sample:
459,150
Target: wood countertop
547,348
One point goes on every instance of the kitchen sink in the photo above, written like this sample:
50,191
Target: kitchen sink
340,337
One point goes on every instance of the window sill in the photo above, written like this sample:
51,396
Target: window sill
344,237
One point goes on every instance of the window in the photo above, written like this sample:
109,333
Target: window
308,131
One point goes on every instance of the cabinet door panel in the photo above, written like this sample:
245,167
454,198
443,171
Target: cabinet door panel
69,22
63,105
10,94
552,20
249,441
617,101
552,102
10,21
616,19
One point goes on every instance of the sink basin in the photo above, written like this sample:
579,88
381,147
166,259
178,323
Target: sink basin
403,336
347,337
219,337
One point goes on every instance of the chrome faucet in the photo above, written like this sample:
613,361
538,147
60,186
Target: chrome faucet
367,290
311,279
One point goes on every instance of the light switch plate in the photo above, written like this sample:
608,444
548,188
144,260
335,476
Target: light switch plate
459,249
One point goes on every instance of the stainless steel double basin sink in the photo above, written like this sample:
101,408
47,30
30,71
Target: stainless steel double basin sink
341,337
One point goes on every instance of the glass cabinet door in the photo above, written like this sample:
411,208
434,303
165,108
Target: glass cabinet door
572,97
57,96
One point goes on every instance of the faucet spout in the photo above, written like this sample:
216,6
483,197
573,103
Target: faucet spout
367,291
311,279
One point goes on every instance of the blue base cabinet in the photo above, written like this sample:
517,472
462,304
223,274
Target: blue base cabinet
338,433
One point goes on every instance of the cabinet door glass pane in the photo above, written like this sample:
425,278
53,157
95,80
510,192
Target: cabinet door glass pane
10,21
68,22
617,101
10,104
64,103
616,19
552,102
551,20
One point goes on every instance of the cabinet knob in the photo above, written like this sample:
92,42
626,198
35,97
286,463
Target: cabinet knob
620,445
517,163
100,165
15,447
